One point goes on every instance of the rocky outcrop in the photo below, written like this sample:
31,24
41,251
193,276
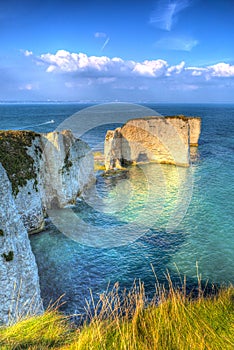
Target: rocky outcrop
46,171
158,139
19,282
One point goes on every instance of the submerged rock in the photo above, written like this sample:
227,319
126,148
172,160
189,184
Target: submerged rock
19,281
46,170
158,139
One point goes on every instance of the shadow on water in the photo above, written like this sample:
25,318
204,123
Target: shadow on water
66,267
146,197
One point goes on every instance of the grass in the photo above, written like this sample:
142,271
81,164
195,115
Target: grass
125,320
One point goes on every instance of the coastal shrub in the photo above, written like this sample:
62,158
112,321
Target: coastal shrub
127,320
18,163
67,163
8,256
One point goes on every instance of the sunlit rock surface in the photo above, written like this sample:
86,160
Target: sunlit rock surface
158,139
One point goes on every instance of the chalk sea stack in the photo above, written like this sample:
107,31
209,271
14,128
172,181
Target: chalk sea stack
165,140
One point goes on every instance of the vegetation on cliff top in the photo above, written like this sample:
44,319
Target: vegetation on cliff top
18,163
178,116
173,320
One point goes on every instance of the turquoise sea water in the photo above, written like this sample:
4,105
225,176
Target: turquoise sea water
185,215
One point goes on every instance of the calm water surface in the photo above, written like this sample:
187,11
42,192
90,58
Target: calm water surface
186,215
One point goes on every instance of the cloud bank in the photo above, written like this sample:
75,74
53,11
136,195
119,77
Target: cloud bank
80,64
68,75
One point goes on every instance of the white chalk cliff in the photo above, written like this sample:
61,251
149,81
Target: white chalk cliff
19,282
152,139
46,171
41,171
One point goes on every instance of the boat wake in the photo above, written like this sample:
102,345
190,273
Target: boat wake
33,125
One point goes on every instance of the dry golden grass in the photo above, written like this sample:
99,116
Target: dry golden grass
126,320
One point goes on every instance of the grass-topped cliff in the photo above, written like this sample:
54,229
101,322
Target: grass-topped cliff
178,322
18,163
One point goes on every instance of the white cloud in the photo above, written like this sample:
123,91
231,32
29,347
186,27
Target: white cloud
221,70
177,69
64,61
28,53
165,12
78,72
28,86
82,65
152,68
100,35
176,43
196,71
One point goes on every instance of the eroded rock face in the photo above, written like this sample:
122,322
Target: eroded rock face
46,170
195,130
67,168
159,139
19,282
28,198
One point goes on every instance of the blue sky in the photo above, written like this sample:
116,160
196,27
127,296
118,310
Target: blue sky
136,51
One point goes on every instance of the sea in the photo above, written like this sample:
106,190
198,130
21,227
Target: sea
142,224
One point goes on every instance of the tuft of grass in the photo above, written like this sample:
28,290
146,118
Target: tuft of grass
128,321
48,331
175,322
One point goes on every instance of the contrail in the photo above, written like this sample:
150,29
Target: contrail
105,43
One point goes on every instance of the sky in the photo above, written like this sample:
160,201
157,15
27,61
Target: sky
162,51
